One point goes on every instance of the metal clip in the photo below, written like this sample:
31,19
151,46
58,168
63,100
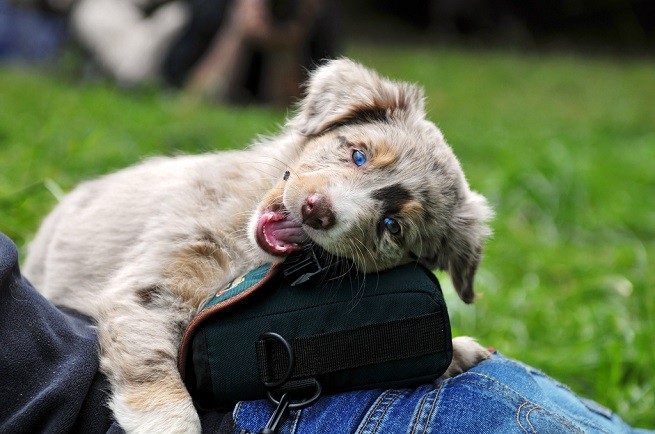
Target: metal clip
278,416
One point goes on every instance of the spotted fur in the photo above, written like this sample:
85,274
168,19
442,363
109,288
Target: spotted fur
140,250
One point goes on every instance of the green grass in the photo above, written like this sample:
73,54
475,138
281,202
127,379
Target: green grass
563,147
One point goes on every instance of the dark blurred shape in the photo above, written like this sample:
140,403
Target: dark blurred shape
283,11
597,24
207,16
218,57
29,35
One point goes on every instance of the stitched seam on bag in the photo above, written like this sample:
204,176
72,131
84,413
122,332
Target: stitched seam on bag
418,379
339,302
190,328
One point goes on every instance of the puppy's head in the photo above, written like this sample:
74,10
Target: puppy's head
375,181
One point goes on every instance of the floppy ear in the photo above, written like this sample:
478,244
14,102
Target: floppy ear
342,91
461,250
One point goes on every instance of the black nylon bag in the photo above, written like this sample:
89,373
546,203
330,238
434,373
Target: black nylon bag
388,329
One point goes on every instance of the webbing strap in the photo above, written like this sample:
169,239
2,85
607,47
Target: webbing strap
351,348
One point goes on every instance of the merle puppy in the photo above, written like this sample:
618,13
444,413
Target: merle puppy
358,170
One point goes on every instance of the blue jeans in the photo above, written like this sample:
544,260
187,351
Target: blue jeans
498,396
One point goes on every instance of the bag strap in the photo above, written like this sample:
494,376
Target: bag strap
351,348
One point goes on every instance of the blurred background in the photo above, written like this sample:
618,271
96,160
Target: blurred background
548,104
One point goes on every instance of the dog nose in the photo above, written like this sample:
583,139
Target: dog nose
317,212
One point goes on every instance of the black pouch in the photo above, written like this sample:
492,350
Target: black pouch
289,323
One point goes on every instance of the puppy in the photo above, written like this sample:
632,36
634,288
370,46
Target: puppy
358,170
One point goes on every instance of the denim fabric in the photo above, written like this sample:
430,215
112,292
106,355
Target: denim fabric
498,396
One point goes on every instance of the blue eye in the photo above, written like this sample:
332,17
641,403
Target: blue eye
358,157
391,225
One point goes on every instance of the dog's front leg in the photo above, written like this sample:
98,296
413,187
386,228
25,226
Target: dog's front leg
467,353
144,312
138,354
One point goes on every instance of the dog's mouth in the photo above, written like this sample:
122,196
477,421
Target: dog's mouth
279,234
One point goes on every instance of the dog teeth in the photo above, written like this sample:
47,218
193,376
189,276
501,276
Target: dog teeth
278,234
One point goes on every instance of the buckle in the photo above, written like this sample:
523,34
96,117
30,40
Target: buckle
288,389
309,263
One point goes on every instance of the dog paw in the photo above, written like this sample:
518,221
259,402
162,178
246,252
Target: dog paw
155,413
467,353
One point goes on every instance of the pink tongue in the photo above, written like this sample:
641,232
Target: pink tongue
278,234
